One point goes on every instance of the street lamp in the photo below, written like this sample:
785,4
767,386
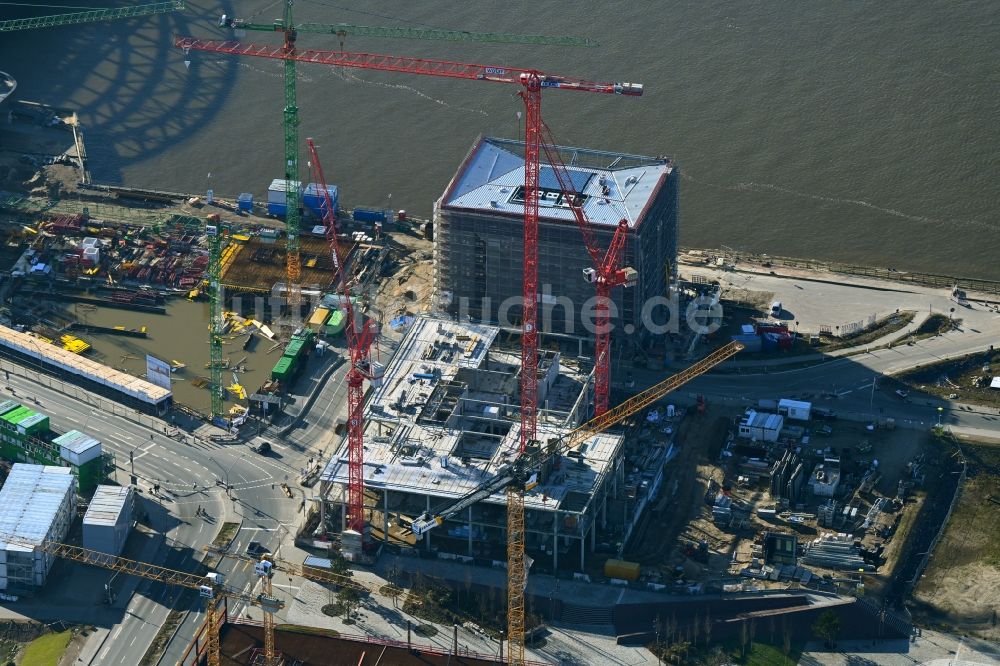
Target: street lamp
940,411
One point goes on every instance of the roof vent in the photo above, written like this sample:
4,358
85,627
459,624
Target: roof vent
495,203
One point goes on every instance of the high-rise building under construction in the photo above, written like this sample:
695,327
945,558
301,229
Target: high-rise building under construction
479,230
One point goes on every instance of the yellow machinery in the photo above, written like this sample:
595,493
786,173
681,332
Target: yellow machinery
521,476
210,587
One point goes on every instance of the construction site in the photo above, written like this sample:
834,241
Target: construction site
393,413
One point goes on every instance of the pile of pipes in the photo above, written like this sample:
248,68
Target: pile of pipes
836,551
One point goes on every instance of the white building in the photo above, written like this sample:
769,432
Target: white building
761,426
108,521
37,504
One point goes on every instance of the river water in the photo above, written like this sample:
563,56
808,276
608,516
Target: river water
857,131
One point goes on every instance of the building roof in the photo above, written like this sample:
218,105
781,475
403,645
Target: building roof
107,504
77,442
765,420
75,364
30,500
616,185
431,453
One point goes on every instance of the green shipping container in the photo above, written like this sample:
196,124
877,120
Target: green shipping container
283,369
90,474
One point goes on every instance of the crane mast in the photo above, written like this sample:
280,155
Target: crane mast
605,273
359,341
531,83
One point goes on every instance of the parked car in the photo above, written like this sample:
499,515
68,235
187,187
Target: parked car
776,309
263,448
256,549
902,393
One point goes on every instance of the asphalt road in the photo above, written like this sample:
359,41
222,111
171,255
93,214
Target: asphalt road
190,475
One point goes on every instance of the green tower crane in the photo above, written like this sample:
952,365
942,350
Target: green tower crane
92,16
214,233
290,31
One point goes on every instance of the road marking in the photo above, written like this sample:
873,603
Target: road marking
70,418
840,393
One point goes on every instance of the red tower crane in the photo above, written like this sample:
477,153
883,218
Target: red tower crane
605,273
359,340
532,83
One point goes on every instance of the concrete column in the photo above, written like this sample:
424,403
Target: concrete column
555,541
604,512
385,515
583,541
470,530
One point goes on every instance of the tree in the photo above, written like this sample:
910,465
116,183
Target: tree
827,626
786,635
717,657
349,599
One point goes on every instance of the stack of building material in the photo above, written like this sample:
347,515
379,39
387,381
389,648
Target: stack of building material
835,551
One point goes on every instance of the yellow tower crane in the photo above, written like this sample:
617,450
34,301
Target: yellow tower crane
209,586
521,475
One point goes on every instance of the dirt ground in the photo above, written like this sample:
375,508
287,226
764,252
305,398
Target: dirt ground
408,289
961,587
730,548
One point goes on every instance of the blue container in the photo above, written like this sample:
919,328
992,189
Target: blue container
276,209
369,215
751,342
313,199
769,341
245,202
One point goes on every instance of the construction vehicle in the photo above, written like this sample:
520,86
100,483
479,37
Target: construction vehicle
531,82
521,475
289,31
91,16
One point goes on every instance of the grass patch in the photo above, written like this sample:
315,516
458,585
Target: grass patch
159,644
968,551
46,650
969,377
882,328
935,324
225,535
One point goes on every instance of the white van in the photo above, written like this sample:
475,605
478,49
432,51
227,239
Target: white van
776,309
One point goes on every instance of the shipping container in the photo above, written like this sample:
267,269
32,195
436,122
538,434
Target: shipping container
622,569
369,214
794,409
335,324
283,369
751,343
245,202
312,198
318,318
109,519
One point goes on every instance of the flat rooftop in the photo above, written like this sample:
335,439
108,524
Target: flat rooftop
79,365
30,500
445,420
106,505
615,186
